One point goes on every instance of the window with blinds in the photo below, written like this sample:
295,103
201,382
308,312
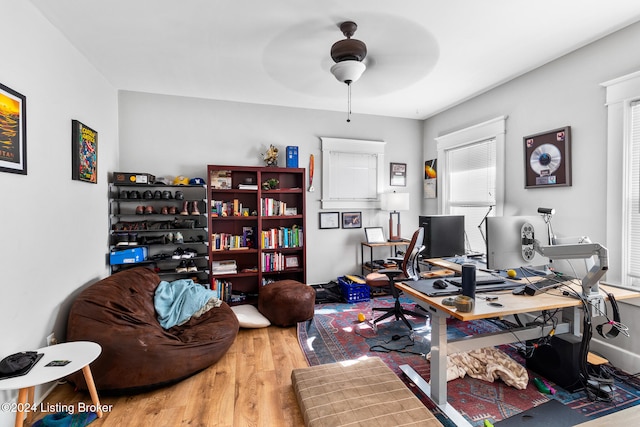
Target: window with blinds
471,182
633,196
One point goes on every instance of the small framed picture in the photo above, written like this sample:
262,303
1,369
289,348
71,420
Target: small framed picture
329,220
398,174
351,219
291,261
374,235
291,211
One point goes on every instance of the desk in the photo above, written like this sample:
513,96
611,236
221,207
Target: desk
390,245
512,304
80,353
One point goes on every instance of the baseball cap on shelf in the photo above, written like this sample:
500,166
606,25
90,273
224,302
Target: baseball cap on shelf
196,181
181,180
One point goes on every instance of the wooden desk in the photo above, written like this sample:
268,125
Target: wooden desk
391,245
512,304
80,353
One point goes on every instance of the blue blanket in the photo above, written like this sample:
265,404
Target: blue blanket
177,301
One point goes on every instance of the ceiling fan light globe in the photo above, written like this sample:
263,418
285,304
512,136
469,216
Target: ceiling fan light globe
348,71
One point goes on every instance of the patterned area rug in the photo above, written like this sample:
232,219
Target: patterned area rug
335,334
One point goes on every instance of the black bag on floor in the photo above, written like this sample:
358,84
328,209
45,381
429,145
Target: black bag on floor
328,293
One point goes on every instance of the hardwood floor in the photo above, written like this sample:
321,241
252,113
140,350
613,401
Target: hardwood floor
249,386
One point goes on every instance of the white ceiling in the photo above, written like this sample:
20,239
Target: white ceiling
424,55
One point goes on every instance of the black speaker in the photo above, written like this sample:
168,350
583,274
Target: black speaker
469,280
559,361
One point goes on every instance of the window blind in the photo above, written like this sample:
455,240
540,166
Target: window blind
472,186
633,220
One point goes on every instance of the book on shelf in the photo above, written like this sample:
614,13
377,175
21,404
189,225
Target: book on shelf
223,263
227,266
273,262
226,241
221,273
238,297
222,288
249,236
272,207
247,186
220,208
283,237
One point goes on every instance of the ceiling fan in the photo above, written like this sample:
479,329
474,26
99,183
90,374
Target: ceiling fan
348,55
398,53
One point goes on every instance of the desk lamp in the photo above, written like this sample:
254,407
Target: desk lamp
394,202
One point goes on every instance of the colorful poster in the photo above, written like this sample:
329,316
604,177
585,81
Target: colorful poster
430,179
85,153
13,129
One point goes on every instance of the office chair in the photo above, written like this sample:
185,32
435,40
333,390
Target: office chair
387,277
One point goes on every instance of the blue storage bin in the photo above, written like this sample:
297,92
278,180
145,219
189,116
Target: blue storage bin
354,292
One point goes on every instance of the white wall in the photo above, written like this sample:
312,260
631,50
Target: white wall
564,92
169,136
54,230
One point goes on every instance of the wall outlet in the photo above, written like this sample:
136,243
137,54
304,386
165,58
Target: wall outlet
51,339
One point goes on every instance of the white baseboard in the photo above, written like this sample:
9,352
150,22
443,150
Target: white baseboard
617,356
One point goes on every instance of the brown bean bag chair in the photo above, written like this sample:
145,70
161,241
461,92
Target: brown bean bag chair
137,353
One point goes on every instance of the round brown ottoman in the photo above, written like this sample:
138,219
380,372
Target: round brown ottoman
287,302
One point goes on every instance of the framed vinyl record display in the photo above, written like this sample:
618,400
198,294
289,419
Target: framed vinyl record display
547,158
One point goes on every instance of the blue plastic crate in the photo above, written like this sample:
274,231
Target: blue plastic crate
353,292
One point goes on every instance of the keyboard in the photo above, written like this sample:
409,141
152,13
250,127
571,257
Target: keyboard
552,280
481,280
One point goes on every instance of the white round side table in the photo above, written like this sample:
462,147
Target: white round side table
79,353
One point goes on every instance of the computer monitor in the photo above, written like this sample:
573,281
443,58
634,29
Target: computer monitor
443,235
505,244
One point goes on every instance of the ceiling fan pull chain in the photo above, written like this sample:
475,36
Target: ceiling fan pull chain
348,102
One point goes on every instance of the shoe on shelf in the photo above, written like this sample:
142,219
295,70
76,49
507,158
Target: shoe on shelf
182,267
164,210
178,254
133,239
139,210
169,237
191,266
157,194
124,194
189,253
166,194
179,195
134,194
179,237
194,208
147,195
185,208
122,239
149,210
184,223
197,239
157,240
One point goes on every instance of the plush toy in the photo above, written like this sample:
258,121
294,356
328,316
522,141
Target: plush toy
271,156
